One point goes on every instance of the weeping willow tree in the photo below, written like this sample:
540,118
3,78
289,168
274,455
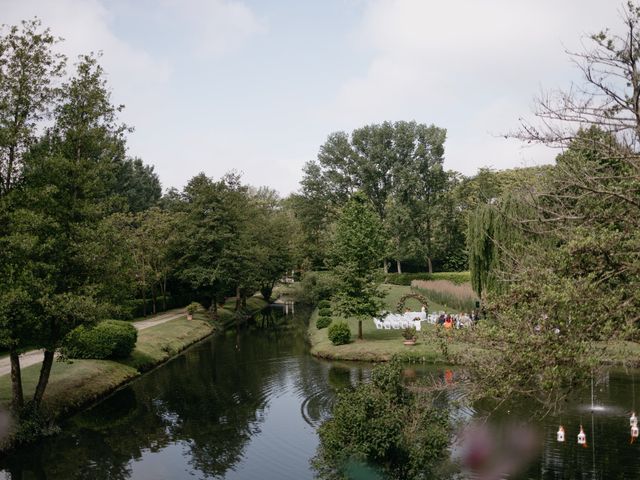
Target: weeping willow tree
497,233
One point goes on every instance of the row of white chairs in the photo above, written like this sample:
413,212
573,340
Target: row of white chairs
399,321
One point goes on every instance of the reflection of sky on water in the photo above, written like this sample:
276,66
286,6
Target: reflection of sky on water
248,407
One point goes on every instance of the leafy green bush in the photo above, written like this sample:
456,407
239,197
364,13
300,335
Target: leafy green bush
339,333
317,286
324,312
193,307
323,322
383,424
108,339
407,278
324,304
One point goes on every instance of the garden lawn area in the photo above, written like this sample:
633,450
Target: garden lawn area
77,383
381,345
71,385
159,343
226,314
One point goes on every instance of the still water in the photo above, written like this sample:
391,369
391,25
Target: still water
247,406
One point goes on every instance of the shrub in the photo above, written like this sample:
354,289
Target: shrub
323,322
317,286
385,425
108,339
406,278
193,307
409,333
339,333
325,312
324,304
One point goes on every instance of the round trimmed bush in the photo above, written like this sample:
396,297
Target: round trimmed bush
339,333
108,339
324,312
323,322
324,304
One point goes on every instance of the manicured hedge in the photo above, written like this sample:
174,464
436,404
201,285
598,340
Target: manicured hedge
108,339
324,304
407,278
324,312
339,333
323,322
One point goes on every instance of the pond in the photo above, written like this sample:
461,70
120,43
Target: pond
247,405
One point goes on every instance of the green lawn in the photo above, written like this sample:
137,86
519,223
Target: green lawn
71,385
80,382
159,343
381,345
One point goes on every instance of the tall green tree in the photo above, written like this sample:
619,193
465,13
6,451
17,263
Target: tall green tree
68,181
357,250
30,72
402,160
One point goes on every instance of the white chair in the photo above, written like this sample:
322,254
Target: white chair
378,323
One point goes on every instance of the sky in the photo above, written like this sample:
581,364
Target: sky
256,86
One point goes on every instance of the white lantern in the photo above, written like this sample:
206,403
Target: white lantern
633,420
560,434
582,437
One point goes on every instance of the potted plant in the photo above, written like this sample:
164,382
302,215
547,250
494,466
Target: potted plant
192,308
409,335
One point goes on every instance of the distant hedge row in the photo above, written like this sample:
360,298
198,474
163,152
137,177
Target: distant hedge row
407,278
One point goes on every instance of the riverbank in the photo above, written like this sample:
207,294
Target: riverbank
77,384
383,345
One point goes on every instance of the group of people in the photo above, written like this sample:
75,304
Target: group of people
461,320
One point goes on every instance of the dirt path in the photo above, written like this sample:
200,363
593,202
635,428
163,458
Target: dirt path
35,356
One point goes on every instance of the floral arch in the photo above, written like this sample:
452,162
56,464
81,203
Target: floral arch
417,296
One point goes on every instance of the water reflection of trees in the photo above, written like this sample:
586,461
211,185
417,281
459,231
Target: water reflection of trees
209,401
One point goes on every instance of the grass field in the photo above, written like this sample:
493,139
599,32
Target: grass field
381,345
80,382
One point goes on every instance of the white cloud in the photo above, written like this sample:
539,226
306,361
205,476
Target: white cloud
216,26
470,66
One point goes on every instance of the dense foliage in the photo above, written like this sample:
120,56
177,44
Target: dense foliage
382,424
555,255
356,251
323,322
339,333
398,167
84,232
107,339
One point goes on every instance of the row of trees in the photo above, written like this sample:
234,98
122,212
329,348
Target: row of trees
85,230
422,208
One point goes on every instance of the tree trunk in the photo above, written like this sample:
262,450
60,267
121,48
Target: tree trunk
144,302
164,292
386,266
238,298
359,329
17,395
399,266
45,372
429,265
153,299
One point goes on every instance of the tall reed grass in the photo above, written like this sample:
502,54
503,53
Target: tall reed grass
459,297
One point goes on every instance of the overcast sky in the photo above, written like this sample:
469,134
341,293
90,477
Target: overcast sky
257,85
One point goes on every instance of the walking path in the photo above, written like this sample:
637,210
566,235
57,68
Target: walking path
35,356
